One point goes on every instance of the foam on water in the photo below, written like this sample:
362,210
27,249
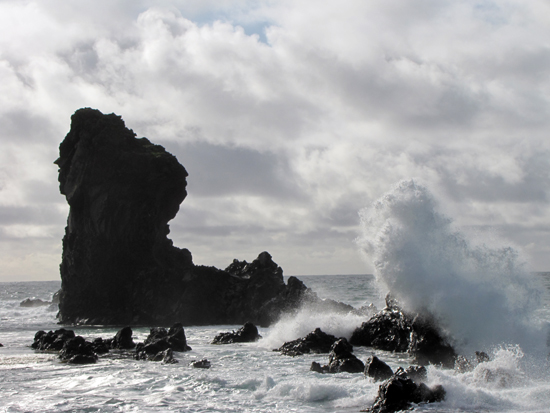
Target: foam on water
305,321
480,290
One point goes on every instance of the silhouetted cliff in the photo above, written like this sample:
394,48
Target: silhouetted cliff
118,266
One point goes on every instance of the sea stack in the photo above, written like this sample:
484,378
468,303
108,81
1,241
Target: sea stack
118,266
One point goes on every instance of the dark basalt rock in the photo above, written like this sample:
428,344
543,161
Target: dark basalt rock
166,357
123,339
377,369
341,360
52,340
246,334
101,346
201,364
159,340
394,330
118,266
315,342
33,302
78,351
400,391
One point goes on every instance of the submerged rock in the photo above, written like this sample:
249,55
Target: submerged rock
118,266
33,302
246,334
315,342
201,364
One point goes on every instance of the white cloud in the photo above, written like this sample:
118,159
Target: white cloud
288,132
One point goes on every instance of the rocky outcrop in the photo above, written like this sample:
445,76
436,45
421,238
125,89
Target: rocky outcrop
394,330
201,364
52,340
315,342
341,360
246,334
123,339
377,369
159,341
118,266
404,388
78,351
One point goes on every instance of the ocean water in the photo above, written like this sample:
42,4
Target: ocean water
243,377
479,289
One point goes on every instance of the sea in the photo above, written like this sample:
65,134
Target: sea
479,289
248,377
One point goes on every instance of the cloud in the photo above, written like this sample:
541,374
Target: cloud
290,116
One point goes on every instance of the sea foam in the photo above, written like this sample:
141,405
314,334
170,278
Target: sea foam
481,291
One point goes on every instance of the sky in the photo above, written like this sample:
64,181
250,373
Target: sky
289,116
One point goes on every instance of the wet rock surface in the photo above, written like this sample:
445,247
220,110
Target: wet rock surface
394,330
404,388
377,369
315,342
160,340
78,351
246,334
118,265
201,364
341,360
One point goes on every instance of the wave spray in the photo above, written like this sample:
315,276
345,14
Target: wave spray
481,293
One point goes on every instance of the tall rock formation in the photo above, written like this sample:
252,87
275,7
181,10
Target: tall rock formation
118,266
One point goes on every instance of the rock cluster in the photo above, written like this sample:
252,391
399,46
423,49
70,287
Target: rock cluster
158,346
118,266
246,334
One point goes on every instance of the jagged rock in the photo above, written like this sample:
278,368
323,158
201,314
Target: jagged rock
246,334
165,356
123,339
315,342
201,364
389,330
159,340
118,266
393,330
52,340
377,369
78,351
341,360
400,391
101,346
33,302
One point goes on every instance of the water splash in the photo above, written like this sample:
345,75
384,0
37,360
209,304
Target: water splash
480,291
